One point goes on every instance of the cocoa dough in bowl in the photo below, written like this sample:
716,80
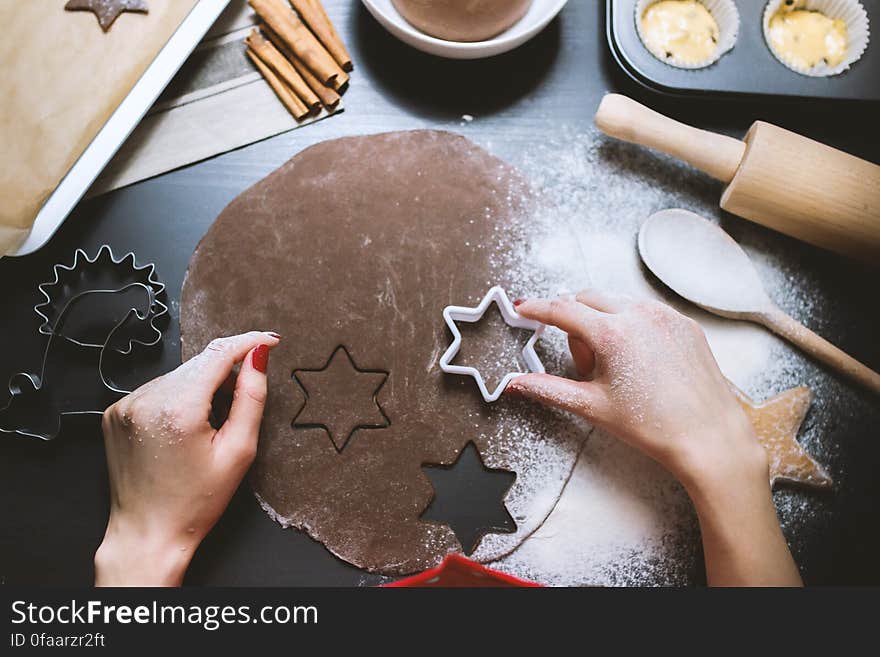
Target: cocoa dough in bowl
462,20
351,250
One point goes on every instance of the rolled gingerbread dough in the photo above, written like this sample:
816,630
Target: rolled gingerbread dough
351,251
462,20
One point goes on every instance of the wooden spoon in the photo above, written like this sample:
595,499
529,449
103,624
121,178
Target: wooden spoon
703,264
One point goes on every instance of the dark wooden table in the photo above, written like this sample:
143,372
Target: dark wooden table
53,497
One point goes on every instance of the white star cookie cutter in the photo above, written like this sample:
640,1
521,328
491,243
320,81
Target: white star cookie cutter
463,314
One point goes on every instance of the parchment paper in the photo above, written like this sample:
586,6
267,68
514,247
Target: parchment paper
61,79
217,101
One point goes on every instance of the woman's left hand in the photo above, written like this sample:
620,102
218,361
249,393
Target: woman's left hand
171,473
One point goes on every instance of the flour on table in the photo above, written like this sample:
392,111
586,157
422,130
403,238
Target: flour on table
622,519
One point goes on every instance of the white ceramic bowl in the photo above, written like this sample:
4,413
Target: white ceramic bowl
536,19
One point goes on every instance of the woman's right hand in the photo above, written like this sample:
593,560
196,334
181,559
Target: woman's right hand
653,382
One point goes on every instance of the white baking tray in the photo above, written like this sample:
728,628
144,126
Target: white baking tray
121,123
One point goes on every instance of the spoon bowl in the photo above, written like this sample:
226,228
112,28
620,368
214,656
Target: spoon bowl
705,265
702,263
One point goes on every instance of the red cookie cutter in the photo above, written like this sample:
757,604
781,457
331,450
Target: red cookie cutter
457,571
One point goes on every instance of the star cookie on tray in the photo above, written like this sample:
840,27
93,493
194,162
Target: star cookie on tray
107,11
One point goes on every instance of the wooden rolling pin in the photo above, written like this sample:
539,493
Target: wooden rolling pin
774,177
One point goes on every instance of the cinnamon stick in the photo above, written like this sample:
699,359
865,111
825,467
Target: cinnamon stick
291,101
328,96
278,15
323,12
312,13
283,68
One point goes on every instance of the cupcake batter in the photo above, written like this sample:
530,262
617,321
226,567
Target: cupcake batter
680,30
806,38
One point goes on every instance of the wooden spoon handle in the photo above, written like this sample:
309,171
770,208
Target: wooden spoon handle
818,347
624,118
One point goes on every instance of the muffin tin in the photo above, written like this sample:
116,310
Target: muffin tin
750,69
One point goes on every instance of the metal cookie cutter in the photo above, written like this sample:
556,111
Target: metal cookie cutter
102,274
463,314
92,308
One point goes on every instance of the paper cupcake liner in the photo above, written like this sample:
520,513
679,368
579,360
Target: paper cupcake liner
857,33
726,16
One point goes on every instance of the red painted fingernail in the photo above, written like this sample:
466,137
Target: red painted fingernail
260,358
275,335
518,302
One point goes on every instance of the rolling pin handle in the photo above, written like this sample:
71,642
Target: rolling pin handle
623,118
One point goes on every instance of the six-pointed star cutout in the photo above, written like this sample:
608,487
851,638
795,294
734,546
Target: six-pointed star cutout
107,11
777,422
492,347
469,498
454,314
341,398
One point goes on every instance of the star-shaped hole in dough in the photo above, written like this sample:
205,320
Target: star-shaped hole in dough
107,11
777,422
469,498
341,398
